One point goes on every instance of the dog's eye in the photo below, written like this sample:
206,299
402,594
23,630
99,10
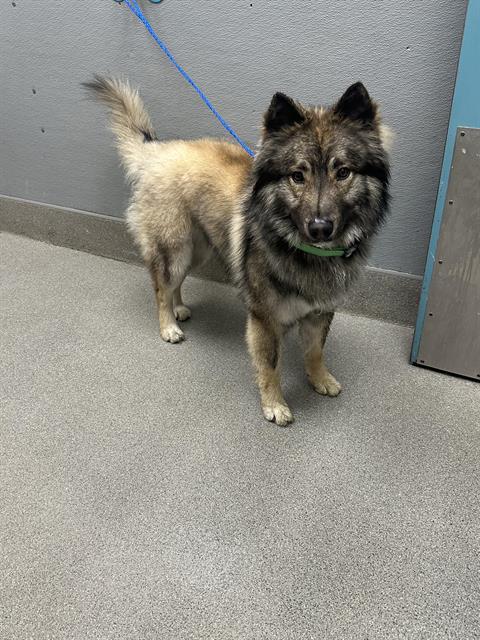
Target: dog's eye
343,173
298,177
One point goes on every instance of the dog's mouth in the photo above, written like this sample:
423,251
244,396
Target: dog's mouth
343,236
320,233
345,233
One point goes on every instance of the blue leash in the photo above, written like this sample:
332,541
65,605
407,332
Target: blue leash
135,9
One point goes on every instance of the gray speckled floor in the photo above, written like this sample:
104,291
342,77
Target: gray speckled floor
143,496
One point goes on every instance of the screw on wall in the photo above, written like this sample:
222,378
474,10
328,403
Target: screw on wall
34,91
42,129
14,4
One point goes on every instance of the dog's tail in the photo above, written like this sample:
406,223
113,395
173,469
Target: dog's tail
130,122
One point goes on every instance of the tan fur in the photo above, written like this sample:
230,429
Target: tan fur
182,183
313,333
185,191
387,136
263,339
127,114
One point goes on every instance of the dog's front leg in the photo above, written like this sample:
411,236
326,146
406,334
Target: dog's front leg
314,329
263,339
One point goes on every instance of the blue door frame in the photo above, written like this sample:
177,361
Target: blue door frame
465,113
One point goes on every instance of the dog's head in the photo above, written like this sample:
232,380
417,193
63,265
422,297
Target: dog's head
321,174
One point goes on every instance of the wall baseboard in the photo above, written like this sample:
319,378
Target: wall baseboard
381,294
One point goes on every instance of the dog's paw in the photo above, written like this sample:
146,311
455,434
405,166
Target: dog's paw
327,385
182,313
278,413
172,333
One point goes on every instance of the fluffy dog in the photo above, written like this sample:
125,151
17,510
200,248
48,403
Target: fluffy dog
319,179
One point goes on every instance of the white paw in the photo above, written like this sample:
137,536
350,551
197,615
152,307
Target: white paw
182,313
278,413
327,385
172,333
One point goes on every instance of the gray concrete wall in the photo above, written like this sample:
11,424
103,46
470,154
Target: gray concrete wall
54,147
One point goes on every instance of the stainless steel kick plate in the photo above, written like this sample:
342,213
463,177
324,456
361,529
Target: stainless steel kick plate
451,333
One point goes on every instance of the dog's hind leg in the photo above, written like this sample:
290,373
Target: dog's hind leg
182,312
200,252
263,340
168,268
314,329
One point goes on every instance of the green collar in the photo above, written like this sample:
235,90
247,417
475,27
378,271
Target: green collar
317,251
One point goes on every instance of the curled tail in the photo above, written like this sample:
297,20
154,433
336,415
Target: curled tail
130,122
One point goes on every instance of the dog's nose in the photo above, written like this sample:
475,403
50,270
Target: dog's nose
320,229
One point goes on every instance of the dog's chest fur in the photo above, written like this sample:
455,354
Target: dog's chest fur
313,295
292,308
277,285
289,288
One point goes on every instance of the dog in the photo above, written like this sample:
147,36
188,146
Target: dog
319,180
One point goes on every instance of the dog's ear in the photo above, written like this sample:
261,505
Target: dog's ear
282,112
356,104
